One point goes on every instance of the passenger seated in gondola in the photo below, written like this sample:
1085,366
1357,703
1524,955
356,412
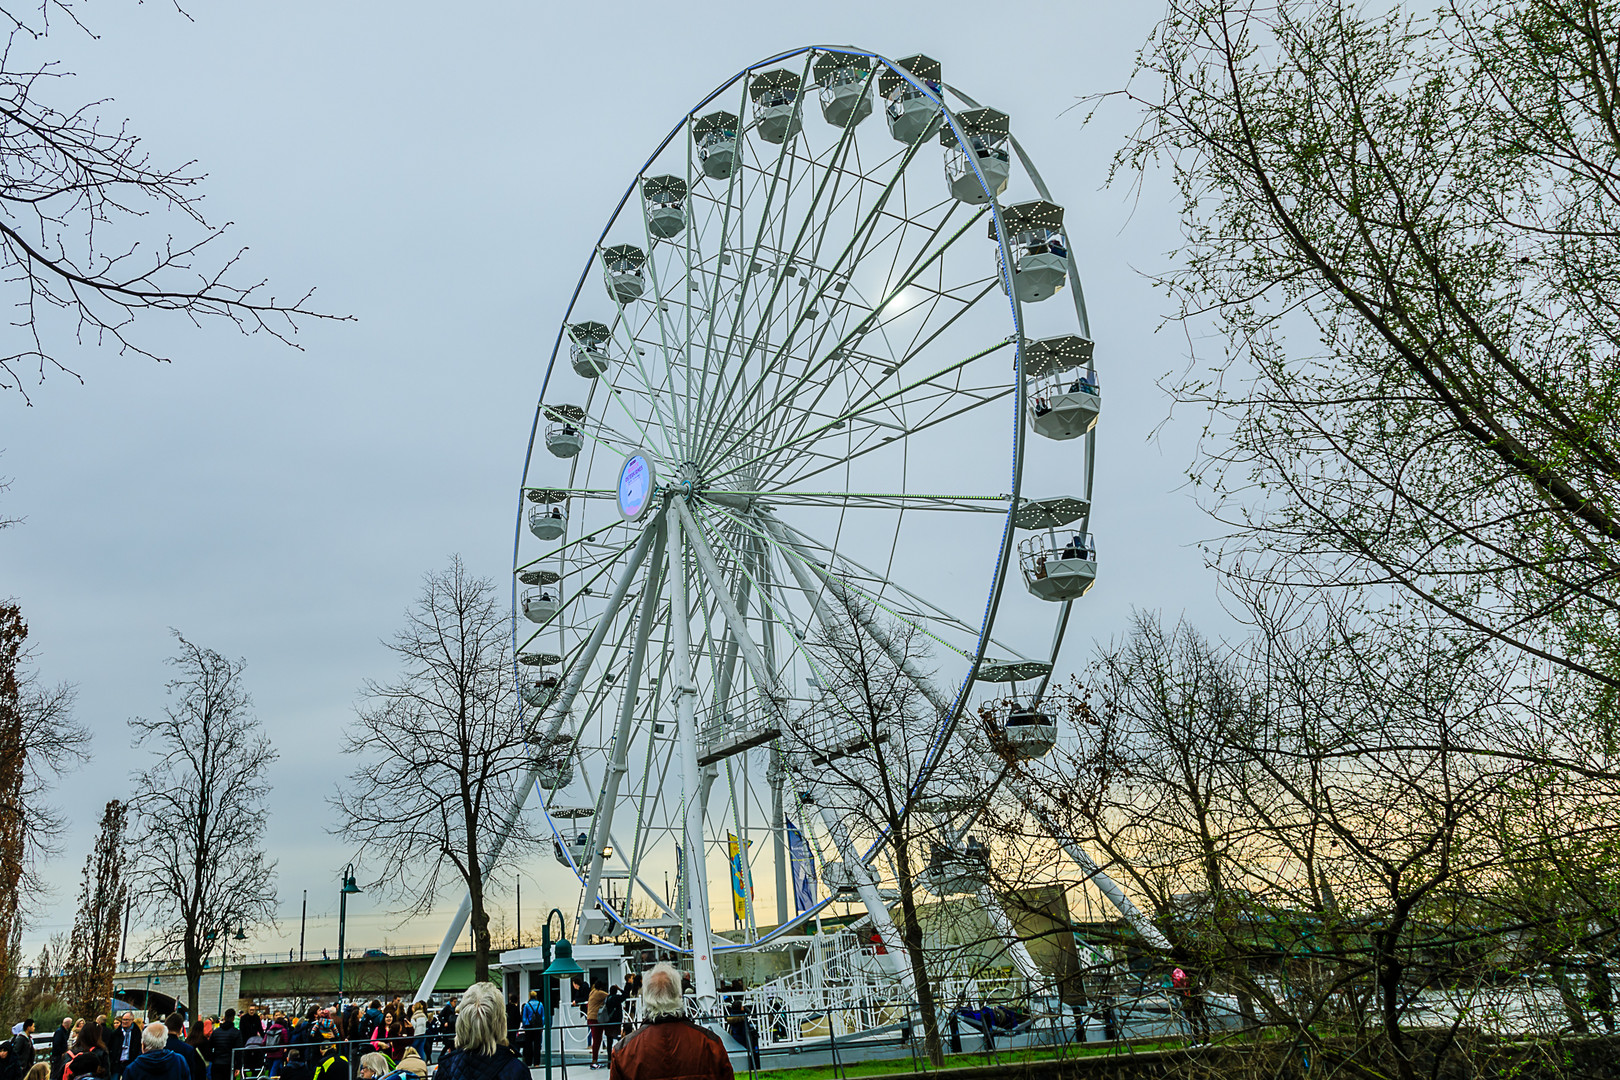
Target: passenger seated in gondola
1042,406
1055,246
556,511
1075,549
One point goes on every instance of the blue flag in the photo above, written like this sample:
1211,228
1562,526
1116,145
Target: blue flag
803,864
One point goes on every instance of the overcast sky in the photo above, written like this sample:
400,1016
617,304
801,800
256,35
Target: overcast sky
440,173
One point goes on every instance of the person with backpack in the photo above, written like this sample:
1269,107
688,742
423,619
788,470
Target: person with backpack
9,1068
481,1051
87,1060
419,1030
223,1043
533,1019
61,1038
410,1066
276,1036
610,1017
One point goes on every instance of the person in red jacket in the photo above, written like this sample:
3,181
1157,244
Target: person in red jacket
668,1046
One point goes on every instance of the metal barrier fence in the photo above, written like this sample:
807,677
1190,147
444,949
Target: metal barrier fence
780,1034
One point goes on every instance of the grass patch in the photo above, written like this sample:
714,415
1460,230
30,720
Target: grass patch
960,1061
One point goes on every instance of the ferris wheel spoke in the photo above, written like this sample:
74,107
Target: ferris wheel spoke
781,436
807,570
826,194
884,582
777,409
833,423
710,567
647,391
830,275
747,268
982,400
920,264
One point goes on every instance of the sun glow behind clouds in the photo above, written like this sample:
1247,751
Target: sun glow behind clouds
902,302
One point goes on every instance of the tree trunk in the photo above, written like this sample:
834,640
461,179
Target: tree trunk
194,970
480,929
911,930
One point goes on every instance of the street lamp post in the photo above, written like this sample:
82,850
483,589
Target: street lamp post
562,967
349,888
226,936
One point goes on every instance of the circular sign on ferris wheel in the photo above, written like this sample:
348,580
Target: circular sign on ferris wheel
636,483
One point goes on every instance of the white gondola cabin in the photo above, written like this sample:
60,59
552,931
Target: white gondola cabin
914,114
664,198
536,684
1040,254
540,690
554,771
541,605
844,80
575,847
548,514
1062,398
563,437
587,349
777,105
1058,568
1019,733
715,136
988,132
1060,563
622,272
1027,732
952,871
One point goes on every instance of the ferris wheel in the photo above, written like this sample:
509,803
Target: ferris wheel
796,378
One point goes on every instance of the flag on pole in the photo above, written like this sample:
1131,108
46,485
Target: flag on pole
740,892
804,870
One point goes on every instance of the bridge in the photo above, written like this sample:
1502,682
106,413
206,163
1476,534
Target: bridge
156,987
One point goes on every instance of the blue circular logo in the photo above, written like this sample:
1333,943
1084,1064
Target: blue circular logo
636,483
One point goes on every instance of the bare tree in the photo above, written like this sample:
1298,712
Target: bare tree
867,745
39,740
200,862
441,751
1403,223
80,254
93,948
1321,825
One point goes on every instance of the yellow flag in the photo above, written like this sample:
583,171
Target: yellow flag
739,877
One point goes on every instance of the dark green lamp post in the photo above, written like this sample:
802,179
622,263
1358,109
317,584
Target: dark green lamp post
348,890
562,966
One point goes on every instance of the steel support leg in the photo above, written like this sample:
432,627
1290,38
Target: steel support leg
618,763
694,864
565,701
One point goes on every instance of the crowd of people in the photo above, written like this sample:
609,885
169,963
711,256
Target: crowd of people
473,1034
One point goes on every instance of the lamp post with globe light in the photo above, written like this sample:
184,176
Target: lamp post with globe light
225,935
563,967
349,889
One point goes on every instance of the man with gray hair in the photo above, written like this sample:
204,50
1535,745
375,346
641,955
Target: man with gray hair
156,1061
668,1046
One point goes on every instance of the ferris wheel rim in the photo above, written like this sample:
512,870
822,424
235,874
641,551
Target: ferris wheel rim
960,695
